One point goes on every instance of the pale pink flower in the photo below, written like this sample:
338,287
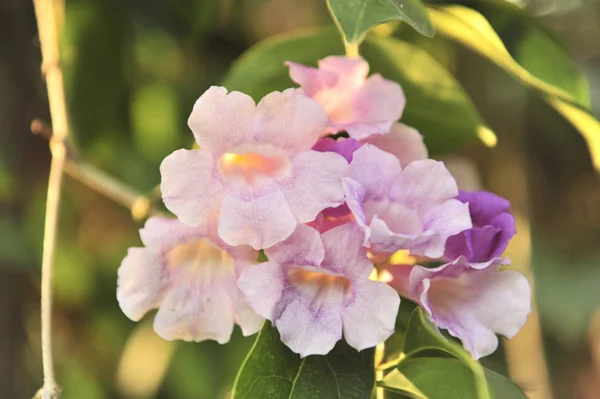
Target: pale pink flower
255,167
314,287
473,301
190,275
411,208
403,141
359,105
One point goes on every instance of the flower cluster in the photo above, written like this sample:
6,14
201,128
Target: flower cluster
326,211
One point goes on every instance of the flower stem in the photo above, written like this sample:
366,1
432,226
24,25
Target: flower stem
351,49
47,15
379,373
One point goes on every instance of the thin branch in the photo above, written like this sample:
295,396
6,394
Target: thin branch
47,15
140,204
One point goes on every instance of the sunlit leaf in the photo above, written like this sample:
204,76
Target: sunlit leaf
570,98
355,17
445,378
534,47
437,105
273,371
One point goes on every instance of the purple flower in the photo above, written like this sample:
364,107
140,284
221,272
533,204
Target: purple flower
412,208
315,286
493,227
190,275
473,301
344,147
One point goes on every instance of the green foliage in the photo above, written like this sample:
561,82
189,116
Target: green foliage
422,335
534,47
445,378
437,104
355,17
563,86
261,70
272,370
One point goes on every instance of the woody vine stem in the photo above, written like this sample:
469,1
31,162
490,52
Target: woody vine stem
48,13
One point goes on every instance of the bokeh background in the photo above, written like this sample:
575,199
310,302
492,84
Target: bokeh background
133,70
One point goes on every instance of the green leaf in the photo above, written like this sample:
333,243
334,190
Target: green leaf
566,90
261,69
534,47
273,371
355,17
445,378
422,336
437,105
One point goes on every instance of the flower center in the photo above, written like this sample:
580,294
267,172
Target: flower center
199,256
321,287
253,165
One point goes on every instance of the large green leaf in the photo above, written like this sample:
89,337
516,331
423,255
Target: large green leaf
422,336
437,105
261,69
273,371
445,378
563,87
355,17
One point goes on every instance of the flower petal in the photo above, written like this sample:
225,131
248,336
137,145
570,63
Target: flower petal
304,247
355,197
424,184
161,234
371,317
262,285
376,106
195,309
353,70
317,184
442,221
248,320
344,147
142,282
221,121
483,205
259,220
188,186
312,80
474,301
375,169
309,332
404,142
344,252
289,120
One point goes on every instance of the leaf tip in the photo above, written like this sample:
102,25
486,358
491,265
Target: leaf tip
487,136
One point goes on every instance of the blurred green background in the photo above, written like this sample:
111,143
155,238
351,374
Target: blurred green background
133,70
